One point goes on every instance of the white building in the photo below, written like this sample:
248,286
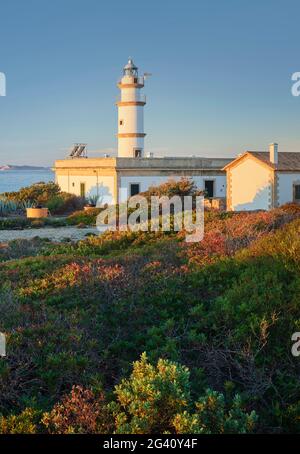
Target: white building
133,171
261,180
254,180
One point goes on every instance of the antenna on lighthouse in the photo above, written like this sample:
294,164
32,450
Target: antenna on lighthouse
146,75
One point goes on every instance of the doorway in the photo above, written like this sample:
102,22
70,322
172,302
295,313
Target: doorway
209,186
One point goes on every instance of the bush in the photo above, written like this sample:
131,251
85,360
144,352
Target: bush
55,204
25,423
88,217
64,203
151,397
37,223
214,416
38,193
292,208
79,412
283,245
22,248
44,194
7,207
17,223
182,187
55,222
14,223
157,399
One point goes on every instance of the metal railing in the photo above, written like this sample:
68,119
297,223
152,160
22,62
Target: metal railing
139,80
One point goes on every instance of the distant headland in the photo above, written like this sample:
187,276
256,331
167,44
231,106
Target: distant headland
13,167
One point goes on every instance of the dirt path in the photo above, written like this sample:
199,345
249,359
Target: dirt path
55,234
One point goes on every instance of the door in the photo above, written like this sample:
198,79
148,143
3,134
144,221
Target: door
82,190
209,188
134,189
297,193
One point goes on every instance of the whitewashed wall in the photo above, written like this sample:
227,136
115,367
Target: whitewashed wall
132,118
127,145
71,184
285,182
106,184
147,181
250,185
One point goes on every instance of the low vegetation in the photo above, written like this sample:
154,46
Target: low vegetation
40,194
65,209
215,319
155,399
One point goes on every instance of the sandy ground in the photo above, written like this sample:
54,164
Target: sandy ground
55,234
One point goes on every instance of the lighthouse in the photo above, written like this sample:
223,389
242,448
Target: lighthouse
131,113
115,178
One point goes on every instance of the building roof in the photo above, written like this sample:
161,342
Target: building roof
165,163
287,161
178,162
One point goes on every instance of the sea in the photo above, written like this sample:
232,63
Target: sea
15,179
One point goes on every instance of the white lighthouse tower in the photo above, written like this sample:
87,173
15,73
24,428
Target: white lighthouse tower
131,113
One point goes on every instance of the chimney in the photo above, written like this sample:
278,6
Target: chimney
273,150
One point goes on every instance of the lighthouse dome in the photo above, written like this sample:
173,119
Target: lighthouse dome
130,69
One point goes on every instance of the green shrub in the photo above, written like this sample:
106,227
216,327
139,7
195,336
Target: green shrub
23,248
214,415
22,223
182,187
64,203
37,223
45,194
157,399
56,222
7,207
87,217
14,223
55,204
284,245
38,193
24,423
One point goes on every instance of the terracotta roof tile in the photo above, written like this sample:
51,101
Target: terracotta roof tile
286,161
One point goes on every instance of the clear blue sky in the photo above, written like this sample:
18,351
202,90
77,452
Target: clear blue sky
220,85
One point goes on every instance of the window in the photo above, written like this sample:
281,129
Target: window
134,189
297,192
135,80
121,122
82,190
209,187
137,153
